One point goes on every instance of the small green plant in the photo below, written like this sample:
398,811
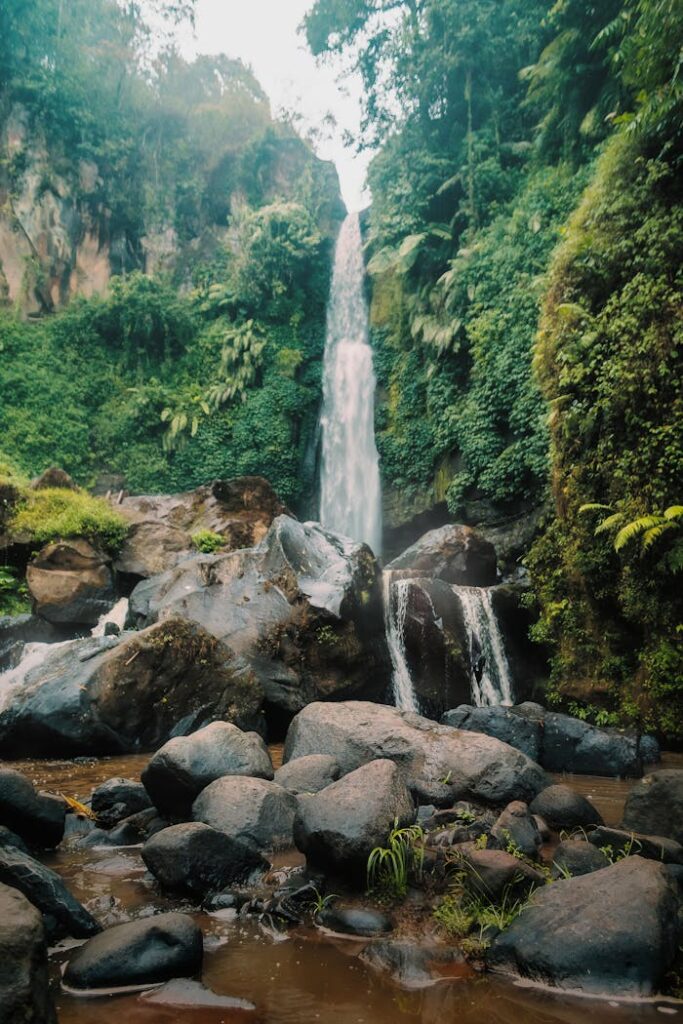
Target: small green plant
467,817
630,848
390,867
319,902
474,947
481,842
207,541
14,599
447,778
325,635
454,917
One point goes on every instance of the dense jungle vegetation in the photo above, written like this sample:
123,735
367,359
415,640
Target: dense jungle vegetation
524,246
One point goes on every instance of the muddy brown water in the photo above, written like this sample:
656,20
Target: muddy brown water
301,975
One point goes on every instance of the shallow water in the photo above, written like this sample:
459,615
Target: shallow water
300,976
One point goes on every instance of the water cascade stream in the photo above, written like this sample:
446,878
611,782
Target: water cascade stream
350,498
493,685
395,610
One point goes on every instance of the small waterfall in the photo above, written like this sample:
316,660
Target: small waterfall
486,642
350,498
116,614
395,610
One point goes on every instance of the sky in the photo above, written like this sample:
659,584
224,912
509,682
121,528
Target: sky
264,34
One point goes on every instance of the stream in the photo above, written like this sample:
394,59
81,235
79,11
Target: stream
302,975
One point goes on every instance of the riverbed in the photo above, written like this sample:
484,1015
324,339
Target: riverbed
299,975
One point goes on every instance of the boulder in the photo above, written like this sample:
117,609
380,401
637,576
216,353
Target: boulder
611,932
113,695
62,913
500,722
453,553
339,827
496,874
140,953
117,799
354,921
575,857
252,810
516,828
70,581
655,805
186,765
304,608
198,858
570,745
152,547
623,843
9,838
37,818
24,982
131,831
439,764
308,774
564,809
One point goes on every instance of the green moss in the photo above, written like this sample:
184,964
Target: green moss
55,512
207,541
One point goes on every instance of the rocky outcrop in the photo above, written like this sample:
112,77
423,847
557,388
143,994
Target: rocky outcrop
140,953
254,811
339,827
24,984
62,913
655,805
125,694
70,581
186,765
609,932
500,722
453,553
439,764
197,858
304,608
38,818
239,510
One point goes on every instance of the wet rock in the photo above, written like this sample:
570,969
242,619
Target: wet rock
152,547
117,799
24,982
9,838
304,608
253,810
184,766
576,857
620,841
453,553
439,764
355,921
500,722
339,827
120,695
130,831
515,827
62,913
655,805
192,994
308,774
496,874
37,818
650,751
564,809
609,932
144,952
227,900
71,581
570,745
198,858
16,631
411,964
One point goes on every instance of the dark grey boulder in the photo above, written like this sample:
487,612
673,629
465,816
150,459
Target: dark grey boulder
501,722
9,838
117,799
308,774
196,857
37,818
453,553
355,921
176,774
253,810
625,843
612,932
144,952
575,857
62,913
570,745
496,874
24,983
516,830
16,631
439,764
338,827
564,809
650,751
655,805
131,831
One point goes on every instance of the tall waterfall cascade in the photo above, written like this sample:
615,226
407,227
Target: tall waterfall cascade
350,497
493,684
395,610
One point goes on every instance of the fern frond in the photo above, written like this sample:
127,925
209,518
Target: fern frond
634,529
609,523
674,512
594,507
655,532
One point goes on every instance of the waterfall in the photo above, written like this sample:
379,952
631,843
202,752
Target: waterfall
350,498
116,614
485,638
395,610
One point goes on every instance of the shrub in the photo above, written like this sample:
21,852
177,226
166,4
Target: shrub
207,541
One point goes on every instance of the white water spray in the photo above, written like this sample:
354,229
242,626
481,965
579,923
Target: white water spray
396,594
350,497
483,633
